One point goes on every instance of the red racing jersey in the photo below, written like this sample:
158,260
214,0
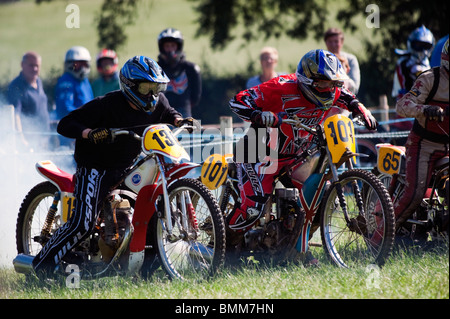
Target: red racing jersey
282,94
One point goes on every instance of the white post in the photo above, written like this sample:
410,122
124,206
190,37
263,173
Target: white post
226,128
384,107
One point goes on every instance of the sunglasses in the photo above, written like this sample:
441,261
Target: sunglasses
146,88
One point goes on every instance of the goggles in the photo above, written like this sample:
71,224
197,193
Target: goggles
78,65
146,88
421,46
327,85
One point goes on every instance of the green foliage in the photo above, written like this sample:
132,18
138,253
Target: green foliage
217,19
114,16
302,19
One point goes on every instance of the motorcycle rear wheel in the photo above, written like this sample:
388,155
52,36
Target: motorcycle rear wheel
370,237
32,214
189,253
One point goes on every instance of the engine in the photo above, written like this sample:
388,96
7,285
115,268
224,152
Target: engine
277,227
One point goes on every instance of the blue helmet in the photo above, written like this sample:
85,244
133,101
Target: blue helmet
141,79
319,67
420,43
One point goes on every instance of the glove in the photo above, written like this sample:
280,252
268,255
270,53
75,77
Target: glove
369,121
434,113
266,118
100,136
189,121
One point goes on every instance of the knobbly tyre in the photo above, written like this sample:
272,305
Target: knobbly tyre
159,216
353,209
431,218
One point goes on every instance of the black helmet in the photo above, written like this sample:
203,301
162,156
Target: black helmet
174,35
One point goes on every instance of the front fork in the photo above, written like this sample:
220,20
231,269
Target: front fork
352,223
187,209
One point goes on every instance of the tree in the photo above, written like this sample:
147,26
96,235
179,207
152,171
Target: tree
299,19
113,17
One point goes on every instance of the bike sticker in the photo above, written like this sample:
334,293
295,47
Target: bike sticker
389,160
214,171
340,135
159,139
68,205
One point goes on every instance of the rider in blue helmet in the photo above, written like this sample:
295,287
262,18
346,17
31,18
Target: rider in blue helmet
141,80
102,162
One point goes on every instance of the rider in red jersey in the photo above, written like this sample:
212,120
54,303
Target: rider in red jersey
309,94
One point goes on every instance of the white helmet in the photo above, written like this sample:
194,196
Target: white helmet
77,62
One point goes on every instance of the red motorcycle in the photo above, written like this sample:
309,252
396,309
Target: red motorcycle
431,217
159,216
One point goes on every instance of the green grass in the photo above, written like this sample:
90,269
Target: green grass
407,275
25,26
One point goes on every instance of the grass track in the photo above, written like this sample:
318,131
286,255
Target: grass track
407,275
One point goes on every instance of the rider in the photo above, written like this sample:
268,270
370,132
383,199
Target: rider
411,63
107,67
185,87
309,94
428,141
101,162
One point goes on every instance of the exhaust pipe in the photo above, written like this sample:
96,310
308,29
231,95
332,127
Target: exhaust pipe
23,264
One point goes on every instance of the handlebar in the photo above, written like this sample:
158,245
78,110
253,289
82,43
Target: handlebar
175,132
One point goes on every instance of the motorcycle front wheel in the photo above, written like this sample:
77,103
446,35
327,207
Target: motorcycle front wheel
196,247
367,236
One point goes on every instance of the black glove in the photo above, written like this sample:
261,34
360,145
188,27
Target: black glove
434,113
190,121
266,119
187,121
100,136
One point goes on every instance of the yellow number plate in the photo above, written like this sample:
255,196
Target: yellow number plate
214,171
159,139
340,135
68,205
389,160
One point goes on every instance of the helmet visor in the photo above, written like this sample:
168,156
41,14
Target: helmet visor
146,88
327,86
421,46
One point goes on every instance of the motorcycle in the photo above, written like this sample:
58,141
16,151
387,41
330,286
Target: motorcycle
353,209
158,216
431,217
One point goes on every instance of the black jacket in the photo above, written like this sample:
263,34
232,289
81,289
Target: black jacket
111,111
185,87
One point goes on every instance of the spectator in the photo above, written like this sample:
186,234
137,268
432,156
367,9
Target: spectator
334,40
185,87
412,61
269,60
108,80
73,88
26,94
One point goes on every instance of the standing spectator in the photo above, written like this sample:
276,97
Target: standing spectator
269,60
108,80
73,88
185,87
26,94
334,40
